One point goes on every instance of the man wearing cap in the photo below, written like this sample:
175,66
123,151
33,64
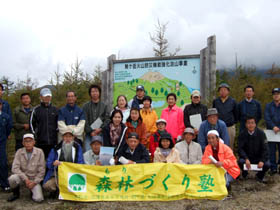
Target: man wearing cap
91,157
5,105
29,169
133,151
5,131
272,120
43,122
248,107
22,115
253,149
71,117
66,151
227,109
137,101
212,123
222,156
193,109
154,139
95,111
190,152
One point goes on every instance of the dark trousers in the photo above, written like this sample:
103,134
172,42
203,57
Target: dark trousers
3,164
18,144
260,174
46,149
273,146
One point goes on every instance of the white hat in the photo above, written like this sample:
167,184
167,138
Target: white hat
28,135
188,130
161,121
196,93
213,132
45,92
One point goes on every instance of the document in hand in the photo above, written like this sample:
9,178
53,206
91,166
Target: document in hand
254,167
96,124
106,153
271,136
195,120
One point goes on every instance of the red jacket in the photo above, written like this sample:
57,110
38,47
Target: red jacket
154,140
175,120
226,156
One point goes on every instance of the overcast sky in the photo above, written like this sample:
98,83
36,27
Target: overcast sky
37,35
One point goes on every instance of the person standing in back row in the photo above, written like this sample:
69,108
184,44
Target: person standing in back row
43,122
93,110
22,115
227,109
248,107
272,120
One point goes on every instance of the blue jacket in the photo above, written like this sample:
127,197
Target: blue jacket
245,108
205,127
6,108
272,115
55,154
71,115
227,110
6,125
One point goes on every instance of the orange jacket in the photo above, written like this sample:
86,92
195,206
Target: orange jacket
226,156
140,130
149,119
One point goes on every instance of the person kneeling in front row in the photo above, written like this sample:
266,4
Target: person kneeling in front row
66,151
223,156
133,151
166,152
29,168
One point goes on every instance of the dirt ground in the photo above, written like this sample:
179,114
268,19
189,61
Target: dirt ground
245,194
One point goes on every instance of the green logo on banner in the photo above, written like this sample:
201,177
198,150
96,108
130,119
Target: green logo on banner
77,182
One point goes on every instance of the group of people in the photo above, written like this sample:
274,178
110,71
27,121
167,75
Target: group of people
46,136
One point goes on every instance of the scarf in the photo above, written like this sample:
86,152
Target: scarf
134,124
165,152
115,133
67,151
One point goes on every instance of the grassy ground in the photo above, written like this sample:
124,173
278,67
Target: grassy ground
245,194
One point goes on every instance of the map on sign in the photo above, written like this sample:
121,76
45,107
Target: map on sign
159,77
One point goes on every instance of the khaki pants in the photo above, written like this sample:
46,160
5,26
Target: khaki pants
231,133
37,193
50,185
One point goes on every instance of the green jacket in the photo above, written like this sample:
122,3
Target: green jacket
92,112
21,117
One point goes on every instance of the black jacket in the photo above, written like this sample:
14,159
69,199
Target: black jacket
227,110
192,109
140,155
43,123
107,138
253,147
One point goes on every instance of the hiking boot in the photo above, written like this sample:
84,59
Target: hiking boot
15,195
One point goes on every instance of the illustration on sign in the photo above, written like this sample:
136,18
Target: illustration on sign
77,182
159,77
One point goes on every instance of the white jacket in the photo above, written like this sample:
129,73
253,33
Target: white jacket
189,153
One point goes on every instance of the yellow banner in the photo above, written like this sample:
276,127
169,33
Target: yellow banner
141,182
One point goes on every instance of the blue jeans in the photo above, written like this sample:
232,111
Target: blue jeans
228,178
272,155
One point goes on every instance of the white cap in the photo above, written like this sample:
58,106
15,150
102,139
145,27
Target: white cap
161,120
45,92
213,132
28,135
195,93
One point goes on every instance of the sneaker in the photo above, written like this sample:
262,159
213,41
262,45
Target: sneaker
12,198
263,180
7,189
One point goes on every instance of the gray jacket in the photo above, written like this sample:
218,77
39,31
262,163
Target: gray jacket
33,169
189,153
